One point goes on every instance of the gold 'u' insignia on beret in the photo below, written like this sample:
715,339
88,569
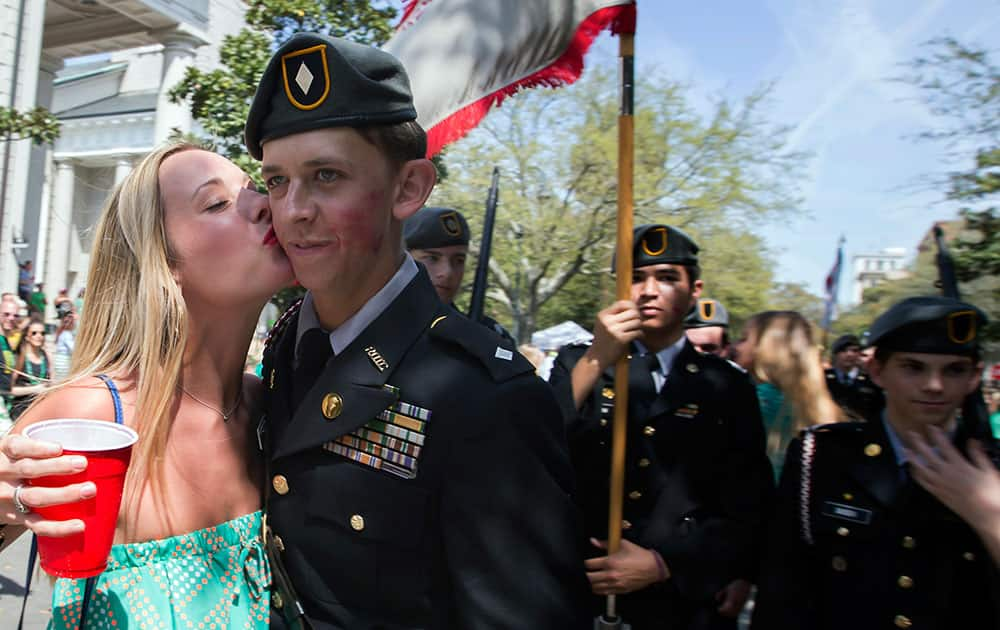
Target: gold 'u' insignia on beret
451,224
707,308
962,322
310,76
662,247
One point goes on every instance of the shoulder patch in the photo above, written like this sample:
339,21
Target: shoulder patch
502,362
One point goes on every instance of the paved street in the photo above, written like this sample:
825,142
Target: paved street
13,564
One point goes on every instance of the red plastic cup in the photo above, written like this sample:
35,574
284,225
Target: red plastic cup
108,449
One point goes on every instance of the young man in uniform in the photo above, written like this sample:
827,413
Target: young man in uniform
438,238
856,542
707,327
697,480
417,468
849,386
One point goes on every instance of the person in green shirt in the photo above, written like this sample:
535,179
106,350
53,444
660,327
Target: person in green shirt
37,302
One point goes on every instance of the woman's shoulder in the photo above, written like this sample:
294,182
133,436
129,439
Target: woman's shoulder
88,398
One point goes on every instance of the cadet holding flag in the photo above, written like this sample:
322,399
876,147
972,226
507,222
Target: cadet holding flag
697,480
418,470
856,542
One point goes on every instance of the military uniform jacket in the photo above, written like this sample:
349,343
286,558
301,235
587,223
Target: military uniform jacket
857,544
697,480
859,398
468,521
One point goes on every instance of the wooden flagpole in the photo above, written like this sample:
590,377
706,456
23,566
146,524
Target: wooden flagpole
623,264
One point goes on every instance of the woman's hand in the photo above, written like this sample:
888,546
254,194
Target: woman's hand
22,458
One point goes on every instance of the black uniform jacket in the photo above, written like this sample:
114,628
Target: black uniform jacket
477,529
697,480
859,399
868,548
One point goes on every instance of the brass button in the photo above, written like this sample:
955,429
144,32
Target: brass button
626,525
968,555
905,581
643,463
276,600
649,431
692,368
357,522
635,494
608,393
280,484
604,422
843,531
333,404
839,563
873,450
279,544
848,496
909,542
902,621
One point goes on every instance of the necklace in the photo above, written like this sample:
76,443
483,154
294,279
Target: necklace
225,416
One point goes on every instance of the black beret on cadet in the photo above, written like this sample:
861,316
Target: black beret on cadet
707,313
655,244
930,324
844,342
315,81
435,227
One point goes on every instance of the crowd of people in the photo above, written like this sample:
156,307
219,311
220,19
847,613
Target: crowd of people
34,353
399,465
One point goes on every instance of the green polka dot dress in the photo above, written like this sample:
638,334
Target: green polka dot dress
213,578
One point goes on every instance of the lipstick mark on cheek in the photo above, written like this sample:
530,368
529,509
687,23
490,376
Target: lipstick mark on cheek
358,228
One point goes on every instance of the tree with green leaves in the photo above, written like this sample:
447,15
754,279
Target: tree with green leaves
961,86
715,176
38,124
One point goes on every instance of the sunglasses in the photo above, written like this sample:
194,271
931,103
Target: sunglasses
35,333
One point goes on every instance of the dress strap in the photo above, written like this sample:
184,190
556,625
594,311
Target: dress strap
119,419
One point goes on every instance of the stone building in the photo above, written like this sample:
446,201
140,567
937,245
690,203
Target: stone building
104,68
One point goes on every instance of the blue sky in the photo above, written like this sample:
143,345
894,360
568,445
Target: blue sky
832,62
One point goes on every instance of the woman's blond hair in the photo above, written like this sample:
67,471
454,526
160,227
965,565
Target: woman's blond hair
785,355
136,322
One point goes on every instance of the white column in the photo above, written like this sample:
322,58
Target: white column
123,166
60,224
40,182
178,54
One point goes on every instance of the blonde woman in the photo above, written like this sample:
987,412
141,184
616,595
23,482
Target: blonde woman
184,259
778,350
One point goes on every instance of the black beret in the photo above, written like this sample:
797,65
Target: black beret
930,324
706,313
435,227
655,244
844,342
315,81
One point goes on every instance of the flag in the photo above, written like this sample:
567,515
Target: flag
464,57
833,286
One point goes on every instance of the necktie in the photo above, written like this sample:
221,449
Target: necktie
314,351
655,371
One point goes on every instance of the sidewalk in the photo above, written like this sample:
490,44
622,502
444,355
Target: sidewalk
13,565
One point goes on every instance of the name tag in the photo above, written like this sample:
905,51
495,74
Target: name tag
850,513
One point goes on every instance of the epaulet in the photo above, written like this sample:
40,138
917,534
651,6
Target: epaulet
487,346
737,366
279,326
838,429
